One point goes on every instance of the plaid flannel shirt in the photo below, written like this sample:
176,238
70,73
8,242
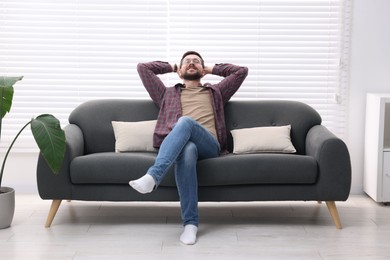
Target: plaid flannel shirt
169,102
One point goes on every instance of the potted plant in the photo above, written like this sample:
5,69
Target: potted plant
48,135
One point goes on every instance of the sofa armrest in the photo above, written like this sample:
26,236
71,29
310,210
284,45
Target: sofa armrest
51,186
334,164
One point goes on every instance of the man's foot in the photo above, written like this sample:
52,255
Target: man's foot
188,237
143,185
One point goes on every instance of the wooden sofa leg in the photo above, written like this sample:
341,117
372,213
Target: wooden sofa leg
52,213
333,212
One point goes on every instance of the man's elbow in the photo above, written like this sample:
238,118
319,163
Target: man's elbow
141,66
244,71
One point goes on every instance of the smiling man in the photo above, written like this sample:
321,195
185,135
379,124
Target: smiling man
190,126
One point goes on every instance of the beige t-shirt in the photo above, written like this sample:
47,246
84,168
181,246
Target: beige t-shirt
196,103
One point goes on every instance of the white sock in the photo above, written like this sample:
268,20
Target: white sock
188,237
143,185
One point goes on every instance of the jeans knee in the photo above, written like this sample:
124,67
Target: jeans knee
185,120
190,149
189,153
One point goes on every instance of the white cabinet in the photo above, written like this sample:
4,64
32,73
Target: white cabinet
386,176
377,147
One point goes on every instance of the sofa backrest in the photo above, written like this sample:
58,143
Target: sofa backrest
246,114
94,118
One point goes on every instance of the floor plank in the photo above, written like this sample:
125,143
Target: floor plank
251,230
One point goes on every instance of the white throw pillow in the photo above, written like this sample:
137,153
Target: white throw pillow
134,136
275,139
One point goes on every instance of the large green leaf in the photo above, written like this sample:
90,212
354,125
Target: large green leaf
7,93
50,139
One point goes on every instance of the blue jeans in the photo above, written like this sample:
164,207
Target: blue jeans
183,146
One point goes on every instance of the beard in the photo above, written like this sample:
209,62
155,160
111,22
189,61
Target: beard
195,76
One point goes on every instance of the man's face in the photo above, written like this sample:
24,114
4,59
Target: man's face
191,68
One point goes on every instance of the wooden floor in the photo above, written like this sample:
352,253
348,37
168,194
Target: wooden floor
254,230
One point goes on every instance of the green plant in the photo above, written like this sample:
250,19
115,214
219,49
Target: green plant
45,128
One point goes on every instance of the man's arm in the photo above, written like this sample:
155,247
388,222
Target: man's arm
148,73
209,69
233,78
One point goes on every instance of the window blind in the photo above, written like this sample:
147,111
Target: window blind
78,50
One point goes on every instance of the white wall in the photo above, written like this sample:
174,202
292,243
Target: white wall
370,72
19,172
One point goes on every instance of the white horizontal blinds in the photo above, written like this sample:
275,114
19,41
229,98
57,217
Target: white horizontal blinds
72,51
293,48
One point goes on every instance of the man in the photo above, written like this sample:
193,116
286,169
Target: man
190,126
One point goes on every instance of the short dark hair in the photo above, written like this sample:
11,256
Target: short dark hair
191,53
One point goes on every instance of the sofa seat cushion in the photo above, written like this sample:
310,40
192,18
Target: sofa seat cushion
110,167
245,169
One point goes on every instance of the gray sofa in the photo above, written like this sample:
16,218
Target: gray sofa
320,170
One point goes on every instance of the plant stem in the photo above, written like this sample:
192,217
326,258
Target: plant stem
9,149
1,115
